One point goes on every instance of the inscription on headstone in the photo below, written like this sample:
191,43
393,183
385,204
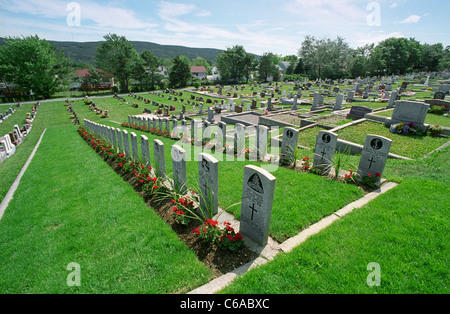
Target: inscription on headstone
256,208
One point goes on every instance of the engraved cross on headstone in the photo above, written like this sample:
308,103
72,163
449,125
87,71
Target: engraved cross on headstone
253,210
371,161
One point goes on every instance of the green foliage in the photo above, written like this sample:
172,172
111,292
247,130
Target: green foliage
180,72
32,64
230,63
117,56
267,67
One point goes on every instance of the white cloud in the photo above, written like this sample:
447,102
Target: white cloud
100,15
411,19
361,39
394,5
327,12
203,13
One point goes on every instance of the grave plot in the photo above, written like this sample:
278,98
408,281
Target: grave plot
414,146
432,119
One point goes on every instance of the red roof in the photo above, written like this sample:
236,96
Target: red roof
85,72
198,69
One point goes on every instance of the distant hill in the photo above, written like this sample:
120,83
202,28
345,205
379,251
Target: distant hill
85,51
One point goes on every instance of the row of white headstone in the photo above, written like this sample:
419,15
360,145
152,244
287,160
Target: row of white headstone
258,186
7,147
258,144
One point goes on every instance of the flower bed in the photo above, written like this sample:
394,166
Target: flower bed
222,254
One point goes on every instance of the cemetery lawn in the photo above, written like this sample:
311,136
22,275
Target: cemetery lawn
407,146
74,208
432,119
290,215
405,231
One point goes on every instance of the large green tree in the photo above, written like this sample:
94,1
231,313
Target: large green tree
324,57
116,55
267,67
180,73
32,64
230,63
151,64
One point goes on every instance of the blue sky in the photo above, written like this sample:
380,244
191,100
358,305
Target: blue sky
277,26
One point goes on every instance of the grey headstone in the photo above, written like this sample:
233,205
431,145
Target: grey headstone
208,172
410,111
289,144
239,138
261,141
339,101
256,208
324,152
374,155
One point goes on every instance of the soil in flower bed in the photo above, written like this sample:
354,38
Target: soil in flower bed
219,260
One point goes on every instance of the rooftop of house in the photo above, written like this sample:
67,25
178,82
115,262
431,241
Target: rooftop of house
198,69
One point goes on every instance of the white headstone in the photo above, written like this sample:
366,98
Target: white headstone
179,168
145,149
160,161
126,143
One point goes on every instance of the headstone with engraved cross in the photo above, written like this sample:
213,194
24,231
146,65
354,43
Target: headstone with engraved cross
256,207
373,157
179,168
324,153
208,174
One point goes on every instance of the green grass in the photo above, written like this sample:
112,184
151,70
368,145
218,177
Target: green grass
408,146
81,211
71,207
405,231
290,215
432,119
308,137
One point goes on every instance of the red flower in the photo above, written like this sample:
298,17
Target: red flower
141,181
155,187
120,164
211,222
196,230
378,175
369,175
172,201
175,209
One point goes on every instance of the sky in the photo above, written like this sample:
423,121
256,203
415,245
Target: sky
277,26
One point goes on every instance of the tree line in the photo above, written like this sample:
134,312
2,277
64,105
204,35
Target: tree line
33,64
